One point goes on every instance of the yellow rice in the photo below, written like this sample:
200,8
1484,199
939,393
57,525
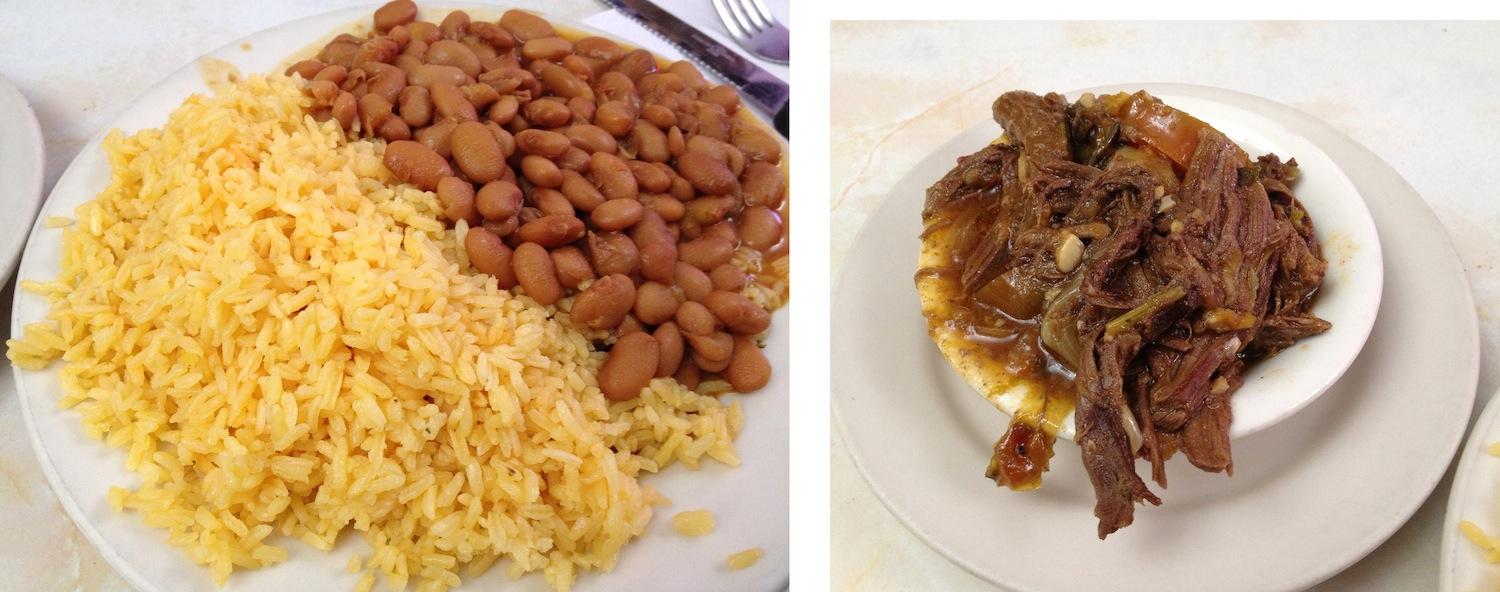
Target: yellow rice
285,342
744,559
694,523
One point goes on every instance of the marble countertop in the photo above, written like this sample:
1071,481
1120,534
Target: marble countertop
1420,95
79,81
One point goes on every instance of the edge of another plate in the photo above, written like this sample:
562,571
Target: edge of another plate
776,551
1476,489
26,187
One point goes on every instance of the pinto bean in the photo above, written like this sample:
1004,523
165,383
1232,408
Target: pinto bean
563,83
580,192
540,171
548,49
415,106
695,284
394,14
551,202
480,95
715,346
669,338
650,142
710,210
416,164
542,142
504,227
454,25
706,252
659,116
725,229
706,174
551,231
756,144
630,365
345,109
605,303
504,110
507,145
615,117
737,312
613,253
477,153
649,176
547,113
572,267
394,129
450,103
591,138
655,303
760,228
763,185
688,73
430,74
386,81
676,144
457,197
307,69
695,319
536,274
614,86
438,137
373,111
526,26
667,206
447,52
617,214
613,176
498,200
657,247
488,254
574,159
724,96
748,370
728,278
635,64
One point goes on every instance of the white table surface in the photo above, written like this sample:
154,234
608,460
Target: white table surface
80,64
1420,95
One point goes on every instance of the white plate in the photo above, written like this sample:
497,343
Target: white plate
750,502
1476,498
1309,496
1274,389
21,156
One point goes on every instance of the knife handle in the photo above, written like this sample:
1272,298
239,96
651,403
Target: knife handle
783,120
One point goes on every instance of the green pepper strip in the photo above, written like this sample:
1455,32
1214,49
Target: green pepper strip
1153,303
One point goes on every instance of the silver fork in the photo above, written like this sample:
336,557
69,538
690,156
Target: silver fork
751,24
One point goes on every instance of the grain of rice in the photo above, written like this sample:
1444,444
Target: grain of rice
694,523
285,341
744,559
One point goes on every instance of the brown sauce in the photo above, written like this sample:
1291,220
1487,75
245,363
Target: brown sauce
999,355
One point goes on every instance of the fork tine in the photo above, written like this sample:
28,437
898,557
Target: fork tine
738,8
730,21
765,13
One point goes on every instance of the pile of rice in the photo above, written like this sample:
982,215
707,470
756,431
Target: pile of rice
285,341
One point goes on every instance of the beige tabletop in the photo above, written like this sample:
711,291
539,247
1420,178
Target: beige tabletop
1421,95
80,81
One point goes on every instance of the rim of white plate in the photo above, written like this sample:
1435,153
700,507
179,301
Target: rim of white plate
29,142
354,15
1372,538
